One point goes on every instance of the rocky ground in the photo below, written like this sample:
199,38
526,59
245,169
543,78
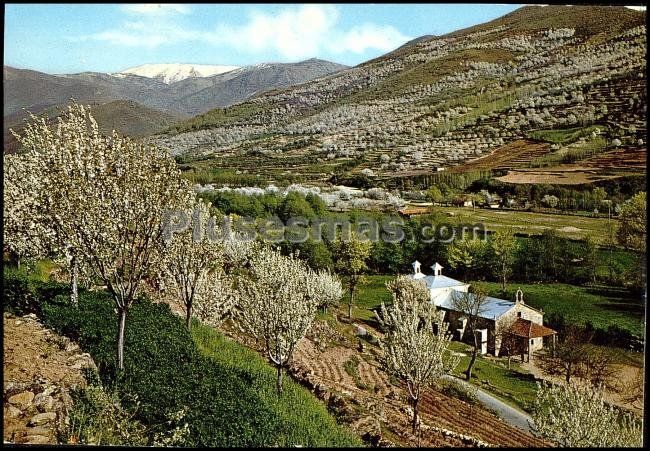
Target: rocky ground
40,370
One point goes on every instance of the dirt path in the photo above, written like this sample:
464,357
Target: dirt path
40,367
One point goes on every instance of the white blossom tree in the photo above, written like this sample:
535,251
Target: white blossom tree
325,289
53,166
575,415
108,199
274,305
215,297
24,232
416,342
188,258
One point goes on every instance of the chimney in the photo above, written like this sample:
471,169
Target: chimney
416,267
437,269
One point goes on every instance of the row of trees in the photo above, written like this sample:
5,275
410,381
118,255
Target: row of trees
586,198
105,202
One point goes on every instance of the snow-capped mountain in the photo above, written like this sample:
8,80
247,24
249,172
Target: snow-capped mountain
170,73
199,88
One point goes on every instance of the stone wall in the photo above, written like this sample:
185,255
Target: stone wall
40,370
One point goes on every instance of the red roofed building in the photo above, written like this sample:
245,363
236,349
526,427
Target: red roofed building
526,334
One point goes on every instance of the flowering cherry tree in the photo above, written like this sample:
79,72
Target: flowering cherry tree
325,289
188,258
577,416
106,199
415,345
24,232
275,305
52,166
215,297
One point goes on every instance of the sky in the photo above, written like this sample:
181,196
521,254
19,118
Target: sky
70,38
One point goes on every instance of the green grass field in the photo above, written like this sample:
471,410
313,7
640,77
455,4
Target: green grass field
528,223
514,386
566,135
602,306
369,296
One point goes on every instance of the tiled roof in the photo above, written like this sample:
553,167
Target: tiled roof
528,329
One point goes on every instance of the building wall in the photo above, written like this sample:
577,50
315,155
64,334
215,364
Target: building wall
520,310
494,328
453,318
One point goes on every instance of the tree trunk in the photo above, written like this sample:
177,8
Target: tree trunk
350,303
74,270
278,384
468,372
120,339
188,315
18,263
568,374
416,405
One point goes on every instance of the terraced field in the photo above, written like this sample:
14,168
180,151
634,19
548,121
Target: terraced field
437,409
516,154
569,175
530,223
470,100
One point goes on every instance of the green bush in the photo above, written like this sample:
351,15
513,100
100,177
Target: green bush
23,295
98,418
455,389
18,293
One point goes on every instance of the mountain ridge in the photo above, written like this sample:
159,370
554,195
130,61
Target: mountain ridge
34,90
173,72
440,101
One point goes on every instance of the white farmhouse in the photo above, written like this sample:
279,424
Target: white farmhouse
505,327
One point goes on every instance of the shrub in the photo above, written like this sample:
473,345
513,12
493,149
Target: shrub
98,418
23,295
19,295
455,389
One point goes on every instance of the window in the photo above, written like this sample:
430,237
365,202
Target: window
532,341
518,314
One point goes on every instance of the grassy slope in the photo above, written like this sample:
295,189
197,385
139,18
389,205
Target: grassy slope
300,417
516,386
297,408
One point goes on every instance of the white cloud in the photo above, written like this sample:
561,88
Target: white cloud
293,33
155,9
307,31
369,36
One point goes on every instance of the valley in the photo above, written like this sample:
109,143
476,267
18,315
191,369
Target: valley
441,246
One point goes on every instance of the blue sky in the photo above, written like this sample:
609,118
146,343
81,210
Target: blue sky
60,38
